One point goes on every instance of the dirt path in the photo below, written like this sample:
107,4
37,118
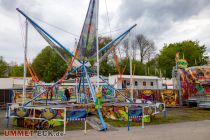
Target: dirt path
198,130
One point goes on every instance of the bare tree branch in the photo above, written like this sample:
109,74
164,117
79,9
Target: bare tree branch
146,47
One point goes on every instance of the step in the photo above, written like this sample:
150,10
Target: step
95,123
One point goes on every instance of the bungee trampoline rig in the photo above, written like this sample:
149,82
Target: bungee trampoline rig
87,49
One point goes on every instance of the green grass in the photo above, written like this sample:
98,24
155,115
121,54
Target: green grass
174,115
73,125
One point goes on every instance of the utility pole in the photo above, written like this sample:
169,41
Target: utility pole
76,86
97,45
179,86
145,70
131,80
178,78
25,57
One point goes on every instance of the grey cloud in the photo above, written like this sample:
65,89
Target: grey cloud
30,7
162,9
13,4
157,16
154,17
9,4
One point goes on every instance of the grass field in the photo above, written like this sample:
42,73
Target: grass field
174,115
78,125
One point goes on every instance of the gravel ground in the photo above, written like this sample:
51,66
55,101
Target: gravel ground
198,130
2,119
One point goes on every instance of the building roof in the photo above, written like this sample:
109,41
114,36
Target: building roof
137,77
13,82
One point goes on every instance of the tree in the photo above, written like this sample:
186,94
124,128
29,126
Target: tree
152,66
139,67
102,42
129,51
16,70
3,67
126,47
48,65
192,51
133,49
106,67
146,47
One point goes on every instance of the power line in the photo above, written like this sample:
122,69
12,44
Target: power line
103,33
59,28
107,14
72,34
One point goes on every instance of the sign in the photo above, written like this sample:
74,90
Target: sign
147,92
76,114
169,97
147,95
134,112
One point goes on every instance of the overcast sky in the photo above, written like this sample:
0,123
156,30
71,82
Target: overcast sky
164,21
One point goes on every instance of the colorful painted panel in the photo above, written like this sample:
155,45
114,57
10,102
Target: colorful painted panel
149,110
147,95
76,114
200,73
135,113
195,81
36,118
18,96
115,112
36,124
169,97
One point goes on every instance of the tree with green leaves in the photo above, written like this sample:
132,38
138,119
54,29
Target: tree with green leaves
48,65
106,67
152,67
16,70
3,67
139,67
191,51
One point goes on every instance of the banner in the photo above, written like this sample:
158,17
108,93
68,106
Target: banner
147,95
87,42
169,97
76,114
37,117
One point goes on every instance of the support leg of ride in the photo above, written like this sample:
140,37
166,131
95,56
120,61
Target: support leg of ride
128,124
142,122
85,127
164,113
64,122
8,115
